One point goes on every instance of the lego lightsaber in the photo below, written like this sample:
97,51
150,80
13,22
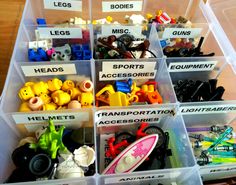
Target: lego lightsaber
220,139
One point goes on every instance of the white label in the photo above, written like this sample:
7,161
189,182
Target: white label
118,30
218,170
122,6
182,32
207,109
56,33
106,76
129,116
115,180
212,173
56,117
69,5
192,66
121,70
111,66
33,127
45,70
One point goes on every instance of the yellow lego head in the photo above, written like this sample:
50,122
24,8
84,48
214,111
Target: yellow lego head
109,19
46,98
54,84
25,93
158,12
74,93
61,98
40,88
49,106
149,16
68,84
24,107
86,99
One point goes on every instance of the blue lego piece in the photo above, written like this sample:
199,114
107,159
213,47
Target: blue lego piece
39,55
80,52
85,47
41,21
79,55
124,87
43,54
76,47
164,43
130,82
86,54
76,51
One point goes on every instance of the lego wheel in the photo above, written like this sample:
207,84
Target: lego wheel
124,136
156,130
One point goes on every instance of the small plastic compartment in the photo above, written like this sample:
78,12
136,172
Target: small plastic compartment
104,10
222,16
115,41
183,40
186,176
53,43
218,121
28,89
132,83
202,79
118,136
11,138
56,11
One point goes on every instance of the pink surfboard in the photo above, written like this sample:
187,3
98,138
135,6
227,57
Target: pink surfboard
131,157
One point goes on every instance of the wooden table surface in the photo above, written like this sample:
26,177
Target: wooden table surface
10,16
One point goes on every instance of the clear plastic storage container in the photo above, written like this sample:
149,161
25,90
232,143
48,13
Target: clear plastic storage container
206,120
51,39
10,138
20,73
119,9
128,37
202,70
221,15
208,20
141,72
117,122
55,11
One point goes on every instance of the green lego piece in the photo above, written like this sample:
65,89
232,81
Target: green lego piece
51,140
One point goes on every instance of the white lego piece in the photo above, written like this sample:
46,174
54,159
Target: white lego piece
33,45
135,19
43,44
69,169
84,156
